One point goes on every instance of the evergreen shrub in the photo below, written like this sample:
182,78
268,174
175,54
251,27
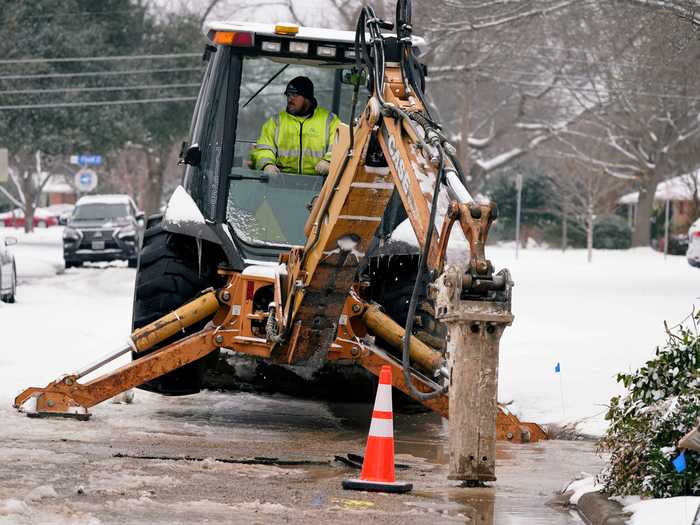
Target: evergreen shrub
661,405
611,232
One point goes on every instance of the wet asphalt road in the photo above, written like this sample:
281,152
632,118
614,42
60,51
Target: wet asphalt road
64,471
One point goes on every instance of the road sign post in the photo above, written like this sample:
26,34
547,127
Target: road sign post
4,165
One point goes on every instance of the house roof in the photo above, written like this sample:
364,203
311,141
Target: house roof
679,188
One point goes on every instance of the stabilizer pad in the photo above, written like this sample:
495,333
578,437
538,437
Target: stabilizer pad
396,487
79,417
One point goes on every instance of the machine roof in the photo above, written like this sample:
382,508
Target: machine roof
306,33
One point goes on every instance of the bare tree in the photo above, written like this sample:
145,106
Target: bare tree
27,184
586,194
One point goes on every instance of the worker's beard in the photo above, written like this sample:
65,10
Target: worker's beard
304,110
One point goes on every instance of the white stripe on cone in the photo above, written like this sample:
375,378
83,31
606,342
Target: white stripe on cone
381,428
383,400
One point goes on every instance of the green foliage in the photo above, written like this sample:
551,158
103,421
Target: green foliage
538,196
611,232
662,405
84,28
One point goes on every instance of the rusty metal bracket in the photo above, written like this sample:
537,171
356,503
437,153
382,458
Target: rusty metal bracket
475,221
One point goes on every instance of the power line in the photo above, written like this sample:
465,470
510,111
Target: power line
99,73
93,89
99,103
6,20
103,58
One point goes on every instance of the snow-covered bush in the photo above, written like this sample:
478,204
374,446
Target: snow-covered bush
661,405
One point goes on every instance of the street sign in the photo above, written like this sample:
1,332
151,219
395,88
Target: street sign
86,160
4,166
86,180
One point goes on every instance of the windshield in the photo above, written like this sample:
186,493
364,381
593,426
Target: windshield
98,211
330,93
272,212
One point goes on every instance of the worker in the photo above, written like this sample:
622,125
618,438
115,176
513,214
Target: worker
299,139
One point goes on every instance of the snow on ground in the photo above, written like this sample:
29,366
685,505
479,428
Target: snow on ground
595,319
63,319
670,511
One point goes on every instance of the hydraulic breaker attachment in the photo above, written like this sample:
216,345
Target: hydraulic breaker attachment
475,306
474,330
66,397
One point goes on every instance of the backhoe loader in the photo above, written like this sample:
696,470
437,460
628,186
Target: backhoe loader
302,271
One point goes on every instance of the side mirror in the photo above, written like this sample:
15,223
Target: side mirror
193,156
354,77
9,241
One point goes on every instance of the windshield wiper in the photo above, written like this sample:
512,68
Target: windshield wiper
266,84
260,177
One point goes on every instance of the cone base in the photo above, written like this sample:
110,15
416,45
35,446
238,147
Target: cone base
396,487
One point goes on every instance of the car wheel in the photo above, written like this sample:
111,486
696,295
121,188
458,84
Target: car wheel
41,224
133,262
13,289
168,276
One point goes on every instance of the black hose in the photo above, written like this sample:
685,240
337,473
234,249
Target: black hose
405,357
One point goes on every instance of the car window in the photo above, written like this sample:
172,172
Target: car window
98,211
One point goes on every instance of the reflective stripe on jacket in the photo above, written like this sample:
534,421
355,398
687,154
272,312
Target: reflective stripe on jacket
296,144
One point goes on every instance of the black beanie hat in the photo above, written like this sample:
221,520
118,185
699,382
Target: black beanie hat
300,86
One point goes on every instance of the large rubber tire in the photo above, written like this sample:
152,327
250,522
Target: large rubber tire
392,278
167,277
13,291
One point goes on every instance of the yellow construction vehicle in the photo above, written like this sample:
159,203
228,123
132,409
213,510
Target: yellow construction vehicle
301,270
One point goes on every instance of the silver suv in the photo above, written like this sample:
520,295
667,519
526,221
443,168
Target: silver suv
103,228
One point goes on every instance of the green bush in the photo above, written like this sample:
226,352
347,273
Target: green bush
611,232
661,406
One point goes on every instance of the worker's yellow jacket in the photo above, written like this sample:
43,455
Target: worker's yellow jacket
296,144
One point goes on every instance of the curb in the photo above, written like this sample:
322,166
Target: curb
596,509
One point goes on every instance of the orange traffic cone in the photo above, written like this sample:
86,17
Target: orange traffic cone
378,466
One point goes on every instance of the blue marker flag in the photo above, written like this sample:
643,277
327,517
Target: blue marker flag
557,368
679,462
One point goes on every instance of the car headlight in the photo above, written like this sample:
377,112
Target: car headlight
127,232
71,234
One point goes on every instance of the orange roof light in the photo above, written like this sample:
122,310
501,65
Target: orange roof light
286,29
233,38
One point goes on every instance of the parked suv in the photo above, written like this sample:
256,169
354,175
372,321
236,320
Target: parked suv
103,228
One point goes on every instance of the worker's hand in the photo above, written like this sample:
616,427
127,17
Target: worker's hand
322,167
271,169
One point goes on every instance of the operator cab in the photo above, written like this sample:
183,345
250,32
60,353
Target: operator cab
249,66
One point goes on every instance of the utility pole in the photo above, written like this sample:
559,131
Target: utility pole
4,165
519,188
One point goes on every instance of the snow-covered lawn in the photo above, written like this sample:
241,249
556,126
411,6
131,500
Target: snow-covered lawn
594,319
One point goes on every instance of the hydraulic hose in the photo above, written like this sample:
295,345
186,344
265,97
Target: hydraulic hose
408,330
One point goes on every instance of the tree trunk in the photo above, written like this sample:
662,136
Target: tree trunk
589,233
463,146
564,232
641,236
27,187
